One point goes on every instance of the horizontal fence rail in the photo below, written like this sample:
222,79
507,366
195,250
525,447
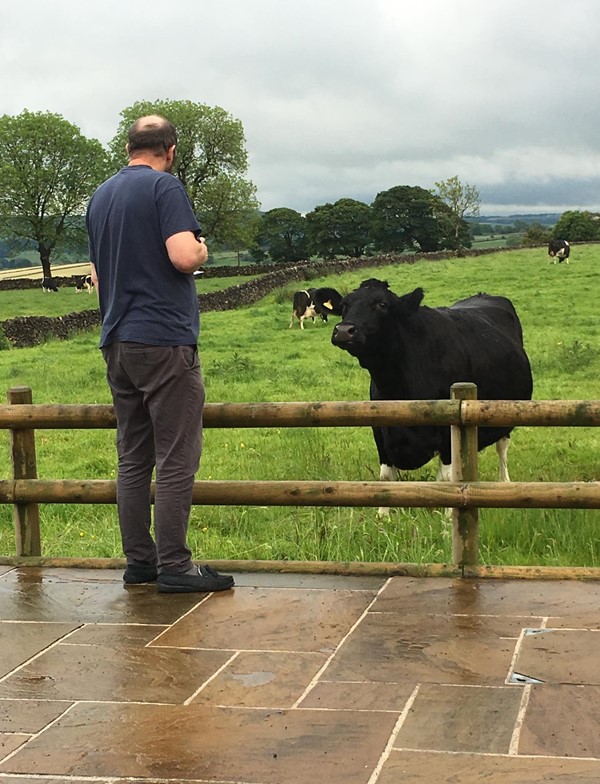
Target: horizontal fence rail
468,413
464,494
207,492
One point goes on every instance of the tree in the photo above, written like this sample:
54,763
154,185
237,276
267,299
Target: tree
210,161
463,200
282,235
231,215
340,229
576,226
48,171
536,235
408,217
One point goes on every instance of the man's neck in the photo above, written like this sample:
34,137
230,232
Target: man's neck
156,163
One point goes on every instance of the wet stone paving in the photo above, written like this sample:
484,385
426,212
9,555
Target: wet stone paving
298,679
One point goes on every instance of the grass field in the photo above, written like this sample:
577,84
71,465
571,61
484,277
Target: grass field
34,302
251,355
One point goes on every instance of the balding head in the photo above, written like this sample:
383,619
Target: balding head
152,134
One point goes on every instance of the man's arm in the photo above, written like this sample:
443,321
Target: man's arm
186,253
94,275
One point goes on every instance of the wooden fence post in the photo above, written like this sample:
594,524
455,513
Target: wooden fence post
26,517
465,521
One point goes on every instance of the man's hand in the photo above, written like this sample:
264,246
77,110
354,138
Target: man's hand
186,253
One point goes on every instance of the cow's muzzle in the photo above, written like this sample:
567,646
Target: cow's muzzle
343,334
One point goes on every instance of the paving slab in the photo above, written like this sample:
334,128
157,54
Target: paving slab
405,767
214,744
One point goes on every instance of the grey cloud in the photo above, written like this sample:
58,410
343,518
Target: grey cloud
338,98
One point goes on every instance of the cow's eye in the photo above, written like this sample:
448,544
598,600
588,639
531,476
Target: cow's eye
381,306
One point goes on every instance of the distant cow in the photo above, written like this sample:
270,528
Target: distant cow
559,250
85,284
326,301
414,352
309,303
48,284
303,307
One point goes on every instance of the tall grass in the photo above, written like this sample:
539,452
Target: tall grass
251,355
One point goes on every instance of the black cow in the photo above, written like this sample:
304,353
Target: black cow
326,301
559,250
48,284
414,352
309,303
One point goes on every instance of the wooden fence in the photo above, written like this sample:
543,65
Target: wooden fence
464,493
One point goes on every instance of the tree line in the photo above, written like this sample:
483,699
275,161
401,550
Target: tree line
399,219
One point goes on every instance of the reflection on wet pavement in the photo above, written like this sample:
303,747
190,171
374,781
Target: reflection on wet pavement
291,679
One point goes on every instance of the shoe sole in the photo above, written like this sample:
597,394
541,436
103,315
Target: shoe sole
190,588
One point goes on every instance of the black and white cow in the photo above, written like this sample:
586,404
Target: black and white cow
559,250
85,284
48,284
414,352
306,304
303,307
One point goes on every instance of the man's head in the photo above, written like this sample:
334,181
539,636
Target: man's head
152,137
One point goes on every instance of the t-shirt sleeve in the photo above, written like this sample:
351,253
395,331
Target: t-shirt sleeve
175,210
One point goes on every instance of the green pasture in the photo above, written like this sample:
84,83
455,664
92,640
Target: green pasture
35,302
251,355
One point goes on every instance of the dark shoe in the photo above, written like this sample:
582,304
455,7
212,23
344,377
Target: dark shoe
204,579
136,574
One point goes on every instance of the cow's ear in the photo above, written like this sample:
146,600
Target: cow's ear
409,303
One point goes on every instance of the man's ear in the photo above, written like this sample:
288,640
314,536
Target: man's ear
127,149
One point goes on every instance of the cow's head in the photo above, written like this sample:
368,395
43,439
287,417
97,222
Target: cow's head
371,315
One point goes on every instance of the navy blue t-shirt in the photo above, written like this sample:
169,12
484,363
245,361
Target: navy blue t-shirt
143,298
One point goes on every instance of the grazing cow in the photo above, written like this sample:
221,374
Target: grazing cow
303,307
309,303
48,284
559,250
85,284
326,301
414,352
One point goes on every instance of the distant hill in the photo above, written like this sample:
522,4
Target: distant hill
545,219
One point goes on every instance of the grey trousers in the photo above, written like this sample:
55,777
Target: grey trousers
158,396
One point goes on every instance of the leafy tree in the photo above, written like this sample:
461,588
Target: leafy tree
576,226
462,200
282,235
48,171
340,229
211,161
408,217
536,235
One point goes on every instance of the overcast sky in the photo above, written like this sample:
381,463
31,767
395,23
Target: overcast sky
339,98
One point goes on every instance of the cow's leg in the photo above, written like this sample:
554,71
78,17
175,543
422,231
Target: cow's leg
387,473
502,450
292,320
444,474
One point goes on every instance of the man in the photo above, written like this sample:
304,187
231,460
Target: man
145,245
